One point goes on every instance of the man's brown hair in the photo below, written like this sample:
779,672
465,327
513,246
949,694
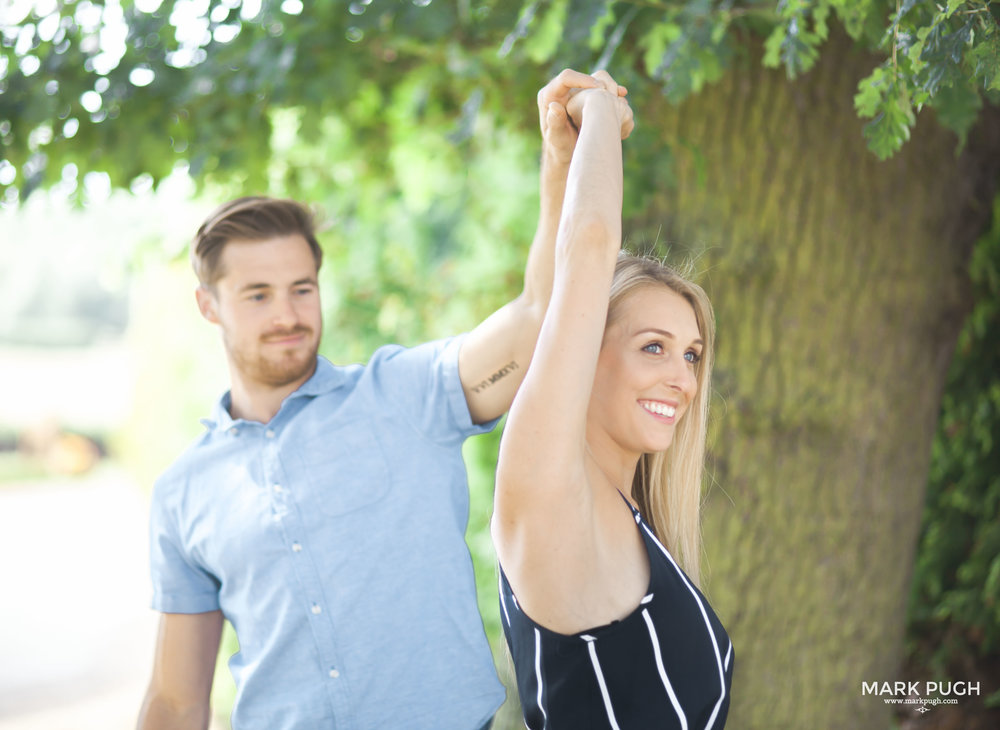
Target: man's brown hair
254,218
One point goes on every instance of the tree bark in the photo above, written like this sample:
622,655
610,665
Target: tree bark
840,286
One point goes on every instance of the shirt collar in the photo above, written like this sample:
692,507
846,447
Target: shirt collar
325,379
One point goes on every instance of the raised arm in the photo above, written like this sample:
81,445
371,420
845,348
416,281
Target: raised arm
178,694
541,467
496,354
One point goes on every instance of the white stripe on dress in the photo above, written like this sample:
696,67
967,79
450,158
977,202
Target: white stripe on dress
538,676
708,625
729,654
663,672
503,601
600,680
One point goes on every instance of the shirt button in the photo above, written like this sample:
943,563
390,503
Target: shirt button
296,548
277,518
234,431
277,487
269,433
334,673
316,608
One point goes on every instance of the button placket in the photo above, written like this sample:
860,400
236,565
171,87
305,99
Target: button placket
280,486
273,476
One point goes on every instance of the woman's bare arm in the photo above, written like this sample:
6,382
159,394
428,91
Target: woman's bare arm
543,506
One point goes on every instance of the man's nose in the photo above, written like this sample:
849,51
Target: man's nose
284,313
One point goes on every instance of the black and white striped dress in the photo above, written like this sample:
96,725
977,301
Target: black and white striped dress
668,664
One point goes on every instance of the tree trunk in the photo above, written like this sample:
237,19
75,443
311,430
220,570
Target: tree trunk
839,284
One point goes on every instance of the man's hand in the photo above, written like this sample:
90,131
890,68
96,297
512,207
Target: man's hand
559,132
608,88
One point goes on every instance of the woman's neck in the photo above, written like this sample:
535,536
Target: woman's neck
614,466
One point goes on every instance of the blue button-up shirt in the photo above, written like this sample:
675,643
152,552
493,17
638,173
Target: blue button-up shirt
333,540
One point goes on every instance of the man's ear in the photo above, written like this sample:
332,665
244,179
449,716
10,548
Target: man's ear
207,304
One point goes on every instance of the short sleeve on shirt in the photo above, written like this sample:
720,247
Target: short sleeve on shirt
178,585
422,384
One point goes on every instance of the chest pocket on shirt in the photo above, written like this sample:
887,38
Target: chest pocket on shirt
345,469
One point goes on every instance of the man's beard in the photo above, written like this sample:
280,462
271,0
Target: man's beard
282,368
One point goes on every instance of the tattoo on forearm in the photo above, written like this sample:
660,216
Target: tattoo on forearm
505,370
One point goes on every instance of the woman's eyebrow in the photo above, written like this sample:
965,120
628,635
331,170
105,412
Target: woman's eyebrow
665,333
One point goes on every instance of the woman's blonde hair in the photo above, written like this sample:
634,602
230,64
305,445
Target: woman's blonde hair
667,484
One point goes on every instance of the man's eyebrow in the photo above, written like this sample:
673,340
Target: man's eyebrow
261,285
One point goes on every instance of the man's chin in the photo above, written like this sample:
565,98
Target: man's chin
288,371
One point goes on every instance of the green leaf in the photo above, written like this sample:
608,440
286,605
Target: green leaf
984,60
820,16
870,92
654,45
541,45
957,107
599,29
881,96
773,45
581,17
953,5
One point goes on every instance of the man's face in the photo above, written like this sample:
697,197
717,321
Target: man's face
267,305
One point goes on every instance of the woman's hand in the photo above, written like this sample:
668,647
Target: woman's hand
559,131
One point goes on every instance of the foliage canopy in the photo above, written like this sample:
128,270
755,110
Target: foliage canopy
133,87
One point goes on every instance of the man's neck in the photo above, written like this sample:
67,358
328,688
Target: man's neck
260,402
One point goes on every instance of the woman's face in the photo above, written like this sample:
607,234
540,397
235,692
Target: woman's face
645,377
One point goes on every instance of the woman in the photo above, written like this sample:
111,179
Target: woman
600,467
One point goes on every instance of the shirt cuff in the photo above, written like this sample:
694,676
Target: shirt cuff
187,603
456,395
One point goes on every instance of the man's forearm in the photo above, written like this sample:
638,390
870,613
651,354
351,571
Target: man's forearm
541,257
160,714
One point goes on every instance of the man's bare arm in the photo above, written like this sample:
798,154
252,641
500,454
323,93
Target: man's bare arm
186,649
496,354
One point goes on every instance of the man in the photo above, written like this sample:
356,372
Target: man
323,511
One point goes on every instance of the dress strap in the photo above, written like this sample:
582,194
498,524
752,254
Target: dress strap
635,512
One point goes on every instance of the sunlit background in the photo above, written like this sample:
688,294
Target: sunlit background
93,313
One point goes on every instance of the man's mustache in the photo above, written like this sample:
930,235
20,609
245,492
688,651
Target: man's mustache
283,333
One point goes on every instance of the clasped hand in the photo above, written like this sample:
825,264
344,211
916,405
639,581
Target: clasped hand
560,108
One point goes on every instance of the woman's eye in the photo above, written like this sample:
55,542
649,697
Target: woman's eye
653,347
691,356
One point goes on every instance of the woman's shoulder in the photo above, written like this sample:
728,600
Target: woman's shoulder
585,567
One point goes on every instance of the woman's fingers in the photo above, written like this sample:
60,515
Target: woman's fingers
557,121
606,80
